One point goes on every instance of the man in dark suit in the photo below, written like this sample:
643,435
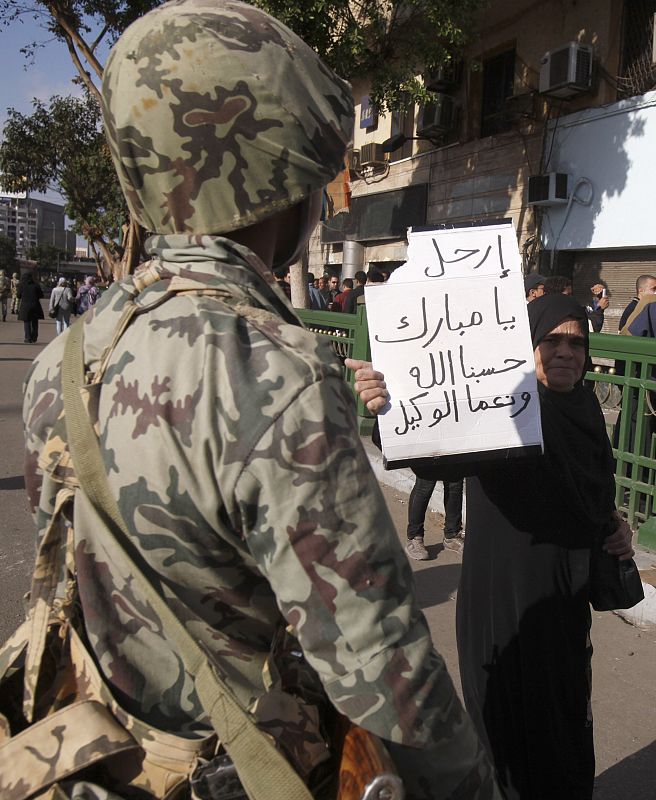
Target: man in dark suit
645,284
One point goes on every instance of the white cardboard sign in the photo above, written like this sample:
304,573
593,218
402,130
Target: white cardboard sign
450,332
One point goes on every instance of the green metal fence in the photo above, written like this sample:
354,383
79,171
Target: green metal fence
350,338
624,381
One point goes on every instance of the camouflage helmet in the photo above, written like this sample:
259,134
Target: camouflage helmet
218,116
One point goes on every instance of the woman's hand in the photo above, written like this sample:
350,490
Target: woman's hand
619,542
369,384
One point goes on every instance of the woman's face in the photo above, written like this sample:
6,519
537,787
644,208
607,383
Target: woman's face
560,357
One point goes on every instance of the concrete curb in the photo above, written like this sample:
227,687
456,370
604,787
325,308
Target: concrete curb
402,480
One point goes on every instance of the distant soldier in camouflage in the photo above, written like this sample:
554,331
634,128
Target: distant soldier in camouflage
15,280
4,294
227,432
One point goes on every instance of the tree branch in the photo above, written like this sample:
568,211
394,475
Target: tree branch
132,252
75,38
99,38
84,75
107,254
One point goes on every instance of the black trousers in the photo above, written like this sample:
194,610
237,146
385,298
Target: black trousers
31,327
418,504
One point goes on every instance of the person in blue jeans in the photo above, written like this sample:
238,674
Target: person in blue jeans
417,507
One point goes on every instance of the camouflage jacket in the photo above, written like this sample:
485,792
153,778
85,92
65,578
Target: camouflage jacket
230,441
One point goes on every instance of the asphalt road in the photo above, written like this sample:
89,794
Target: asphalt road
16,529
624,664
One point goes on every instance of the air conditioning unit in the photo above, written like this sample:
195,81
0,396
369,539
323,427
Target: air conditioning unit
520,106
371,154
436,117
446,76
567,71
552,189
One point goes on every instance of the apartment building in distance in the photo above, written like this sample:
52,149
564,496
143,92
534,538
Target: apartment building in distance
549,119
29,221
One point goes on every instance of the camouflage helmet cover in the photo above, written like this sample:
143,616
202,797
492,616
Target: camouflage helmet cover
218,116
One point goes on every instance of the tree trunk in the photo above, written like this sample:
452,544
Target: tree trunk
298,279
133,241
107,255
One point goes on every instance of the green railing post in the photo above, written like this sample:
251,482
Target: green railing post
634,435
362,352
350,338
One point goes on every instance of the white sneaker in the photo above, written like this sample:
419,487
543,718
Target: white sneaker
415,549
454,543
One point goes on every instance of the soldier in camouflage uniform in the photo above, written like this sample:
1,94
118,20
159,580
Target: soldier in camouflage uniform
15,280
228,434
4,294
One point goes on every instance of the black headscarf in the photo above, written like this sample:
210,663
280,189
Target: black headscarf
567,494
547,312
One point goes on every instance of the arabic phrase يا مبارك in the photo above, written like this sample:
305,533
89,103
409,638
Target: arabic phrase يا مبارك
446,319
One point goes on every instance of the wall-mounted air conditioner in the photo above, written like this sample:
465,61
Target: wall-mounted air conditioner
436,117
371,155
566,71
520,106
446,76
551,189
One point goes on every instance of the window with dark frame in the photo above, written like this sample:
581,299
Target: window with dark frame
498,83
637,67
403,121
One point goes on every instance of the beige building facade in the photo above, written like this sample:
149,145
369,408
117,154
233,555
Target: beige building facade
495,130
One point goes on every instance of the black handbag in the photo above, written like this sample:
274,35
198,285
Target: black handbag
613,583
53,311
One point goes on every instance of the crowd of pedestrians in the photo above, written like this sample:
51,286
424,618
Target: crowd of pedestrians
67,298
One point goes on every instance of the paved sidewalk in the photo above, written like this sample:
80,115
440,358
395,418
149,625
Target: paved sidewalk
16,528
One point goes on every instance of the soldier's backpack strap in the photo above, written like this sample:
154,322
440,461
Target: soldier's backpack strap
265,773
79,735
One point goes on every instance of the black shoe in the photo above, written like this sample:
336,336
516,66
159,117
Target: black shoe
27,341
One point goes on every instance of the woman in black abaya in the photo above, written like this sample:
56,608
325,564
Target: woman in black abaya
29,310
523,617
523,614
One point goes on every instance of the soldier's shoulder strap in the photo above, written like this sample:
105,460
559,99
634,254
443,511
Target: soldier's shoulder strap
264,771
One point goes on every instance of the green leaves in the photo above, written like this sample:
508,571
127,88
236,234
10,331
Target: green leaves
61,145
390,42
46,255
